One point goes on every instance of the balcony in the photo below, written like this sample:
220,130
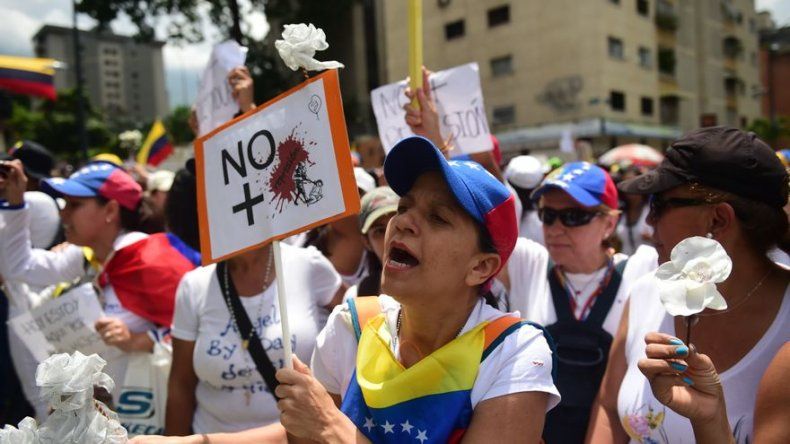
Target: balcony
666,62
669,108
666,20
732,47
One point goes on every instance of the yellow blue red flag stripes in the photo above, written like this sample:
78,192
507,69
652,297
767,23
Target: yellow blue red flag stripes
156,147
427,403
28,76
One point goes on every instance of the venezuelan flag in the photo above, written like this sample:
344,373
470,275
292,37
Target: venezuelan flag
28,76
156,147
429,402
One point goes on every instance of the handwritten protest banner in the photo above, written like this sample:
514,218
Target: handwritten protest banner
459,101
214,104
281,169
64,325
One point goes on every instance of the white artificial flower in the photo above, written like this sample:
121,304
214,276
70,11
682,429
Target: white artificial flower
687,283
298,47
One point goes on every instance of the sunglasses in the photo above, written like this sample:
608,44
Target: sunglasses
570,217
659,205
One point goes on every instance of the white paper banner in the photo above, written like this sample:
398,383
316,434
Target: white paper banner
459,101
276,171
64,325
214,104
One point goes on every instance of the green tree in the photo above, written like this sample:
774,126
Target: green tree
771,132
271,76
177,124
53,124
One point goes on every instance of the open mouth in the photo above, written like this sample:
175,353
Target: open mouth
400,258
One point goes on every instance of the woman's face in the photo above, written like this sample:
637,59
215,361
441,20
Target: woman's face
375,235
673,222
569,245
83,219
431,246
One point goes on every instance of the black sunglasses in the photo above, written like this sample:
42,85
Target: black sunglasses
570,217
658,204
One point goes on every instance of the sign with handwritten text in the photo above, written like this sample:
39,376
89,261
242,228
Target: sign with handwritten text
459,102
64,325
215,104
281,169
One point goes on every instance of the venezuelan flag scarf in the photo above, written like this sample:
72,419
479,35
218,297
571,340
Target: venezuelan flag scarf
428,402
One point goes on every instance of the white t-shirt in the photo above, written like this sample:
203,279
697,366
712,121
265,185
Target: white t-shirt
529,285
633,236
522,363
225,371
531,227
637,407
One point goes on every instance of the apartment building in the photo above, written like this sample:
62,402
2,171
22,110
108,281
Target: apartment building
122,77
611,71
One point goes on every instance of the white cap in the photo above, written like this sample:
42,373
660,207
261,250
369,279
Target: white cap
524,172
365,181
44,218
160,180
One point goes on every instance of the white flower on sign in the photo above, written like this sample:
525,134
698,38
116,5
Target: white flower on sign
687,283
298,47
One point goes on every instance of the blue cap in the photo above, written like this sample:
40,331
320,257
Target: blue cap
98,179
587,184
479,193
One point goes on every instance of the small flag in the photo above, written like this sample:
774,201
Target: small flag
28,76
156,147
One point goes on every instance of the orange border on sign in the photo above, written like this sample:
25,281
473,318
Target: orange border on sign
345,168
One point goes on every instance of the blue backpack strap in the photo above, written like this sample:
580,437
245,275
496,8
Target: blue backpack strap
362,310
506,326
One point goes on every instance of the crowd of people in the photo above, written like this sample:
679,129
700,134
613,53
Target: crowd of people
470,300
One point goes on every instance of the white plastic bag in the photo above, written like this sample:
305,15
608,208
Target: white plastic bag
143,397
67,382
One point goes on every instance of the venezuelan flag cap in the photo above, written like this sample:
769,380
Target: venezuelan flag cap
587,184
483,197
99,179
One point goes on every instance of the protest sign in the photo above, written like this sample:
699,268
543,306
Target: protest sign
459,101
281,169
214,104
64,325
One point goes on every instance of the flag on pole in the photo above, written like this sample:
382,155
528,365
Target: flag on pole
28,76
156,147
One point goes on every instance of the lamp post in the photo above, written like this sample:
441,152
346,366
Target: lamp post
82,132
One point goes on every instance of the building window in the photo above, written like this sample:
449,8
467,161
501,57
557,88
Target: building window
643,7
616,2
617,100
499,16
666,61
645,57
454,30
504,115
647,106
615,48
502,66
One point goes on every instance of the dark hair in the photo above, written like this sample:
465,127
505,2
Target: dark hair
181,208
370,285
319,238
764,226
486,244
523,195
144,218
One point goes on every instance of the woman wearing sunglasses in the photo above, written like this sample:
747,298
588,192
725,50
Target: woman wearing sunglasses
575,286
727,185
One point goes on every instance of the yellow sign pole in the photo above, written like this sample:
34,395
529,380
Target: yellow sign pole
415,46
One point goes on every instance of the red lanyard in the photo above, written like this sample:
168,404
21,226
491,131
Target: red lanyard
602,284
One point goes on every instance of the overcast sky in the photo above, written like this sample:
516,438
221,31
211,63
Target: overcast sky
22,18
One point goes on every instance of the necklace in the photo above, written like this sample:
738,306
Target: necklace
742,301
245,342
398,324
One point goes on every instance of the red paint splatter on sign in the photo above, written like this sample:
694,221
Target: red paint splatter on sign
290,153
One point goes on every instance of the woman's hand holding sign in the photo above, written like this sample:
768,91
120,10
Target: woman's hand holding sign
424,120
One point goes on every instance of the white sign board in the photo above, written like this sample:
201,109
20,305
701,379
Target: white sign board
284,168
64,325
214,104
459,102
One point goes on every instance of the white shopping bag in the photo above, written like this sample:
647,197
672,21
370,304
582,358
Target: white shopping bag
143,397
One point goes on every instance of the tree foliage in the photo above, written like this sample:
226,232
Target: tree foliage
771,132
271,76
54,125
177,124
